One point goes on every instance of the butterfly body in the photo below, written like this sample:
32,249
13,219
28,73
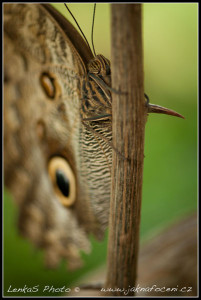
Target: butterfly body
96,97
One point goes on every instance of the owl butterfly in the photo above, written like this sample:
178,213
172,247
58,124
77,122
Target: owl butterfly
57,131
57,166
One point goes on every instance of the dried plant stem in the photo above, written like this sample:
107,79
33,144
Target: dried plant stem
128,117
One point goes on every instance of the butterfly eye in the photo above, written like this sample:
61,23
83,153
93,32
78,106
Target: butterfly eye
63,180
94,66
49,85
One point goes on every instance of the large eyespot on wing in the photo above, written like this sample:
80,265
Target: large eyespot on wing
63,180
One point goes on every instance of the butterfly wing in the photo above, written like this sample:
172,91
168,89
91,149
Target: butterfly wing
42,71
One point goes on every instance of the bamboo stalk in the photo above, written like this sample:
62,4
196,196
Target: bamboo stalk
128,117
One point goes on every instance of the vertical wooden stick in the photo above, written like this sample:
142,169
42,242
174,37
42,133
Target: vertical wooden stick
128,117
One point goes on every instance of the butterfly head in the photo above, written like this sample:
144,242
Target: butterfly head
99,65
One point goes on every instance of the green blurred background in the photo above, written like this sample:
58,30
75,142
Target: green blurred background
170,166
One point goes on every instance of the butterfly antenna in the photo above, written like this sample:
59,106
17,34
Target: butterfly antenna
92,30
77,25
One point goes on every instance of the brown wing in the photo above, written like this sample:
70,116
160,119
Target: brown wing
95,143
42,70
